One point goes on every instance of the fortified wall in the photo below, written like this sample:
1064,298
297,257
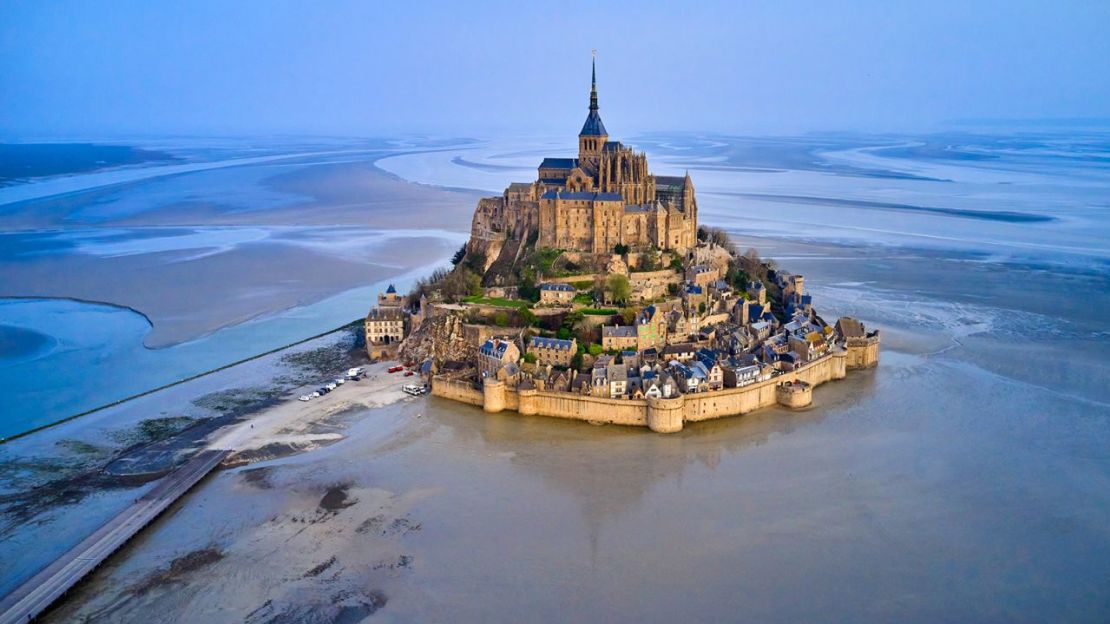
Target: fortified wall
793,389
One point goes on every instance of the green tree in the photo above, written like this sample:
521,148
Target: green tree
530,357
629,315
501,319
527,317
619,288
701,308
620,249
649,261
576,362
595,349
459,255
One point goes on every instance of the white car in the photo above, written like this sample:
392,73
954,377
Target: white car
331,386
305,397
354,372
340,381
315,394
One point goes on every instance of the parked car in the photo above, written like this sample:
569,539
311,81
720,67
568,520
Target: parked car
396,369
340,381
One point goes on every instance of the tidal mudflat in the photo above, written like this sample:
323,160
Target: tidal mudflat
164,271
965,479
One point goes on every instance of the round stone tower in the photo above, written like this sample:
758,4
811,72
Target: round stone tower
493,395
665,415
794,394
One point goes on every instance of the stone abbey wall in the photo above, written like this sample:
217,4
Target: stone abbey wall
660,415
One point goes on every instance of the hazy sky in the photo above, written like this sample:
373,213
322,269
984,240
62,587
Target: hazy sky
360,68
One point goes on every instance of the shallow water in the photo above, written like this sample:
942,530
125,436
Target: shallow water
896,498
965,479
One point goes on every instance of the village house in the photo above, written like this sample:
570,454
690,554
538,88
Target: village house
618,337
757,291
556,294
683,352
553,351
384,329
617,375
702,275
495,354
650,328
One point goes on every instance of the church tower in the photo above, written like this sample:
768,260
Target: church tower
592,138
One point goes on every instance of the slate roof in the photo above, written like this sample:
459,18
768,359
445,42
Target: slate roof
618,331
682,347
385,314
552,343
850,327
391,290
559,287
581,195
494,348
675,182
559,163
593,126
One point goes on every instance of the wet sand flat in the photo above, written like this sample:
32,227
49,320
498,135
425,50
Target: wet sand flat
190,292
857,510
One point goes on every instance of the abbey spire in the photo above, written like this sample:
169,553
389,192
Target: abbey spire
592,138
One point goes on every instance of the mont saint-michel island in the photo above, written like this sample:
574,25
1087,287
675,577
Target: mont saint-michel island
355,312
592,293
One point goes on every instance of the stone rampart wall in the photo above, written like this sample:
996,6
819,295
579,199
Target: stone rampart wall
664,415
456,390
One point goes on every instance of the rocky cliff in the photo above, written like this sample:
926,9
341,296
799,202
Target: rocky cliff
440,338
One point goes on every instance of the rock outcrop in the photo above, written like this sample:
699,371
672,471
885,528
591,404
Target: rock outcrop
440,338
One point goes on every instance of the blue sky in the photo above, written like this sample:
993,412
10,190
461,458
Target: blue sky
96,69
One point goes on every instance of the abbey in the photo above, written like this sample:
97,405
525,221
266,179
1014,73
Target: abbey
590,204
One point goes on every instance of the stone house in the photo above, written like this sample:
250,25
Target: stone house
384,330
757,292
683,352
617,375
650,328
702,275
556,294
739,376
619,337
553,351
494,354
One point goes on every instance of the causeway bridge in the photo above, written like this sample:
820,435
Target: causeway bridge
33,597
